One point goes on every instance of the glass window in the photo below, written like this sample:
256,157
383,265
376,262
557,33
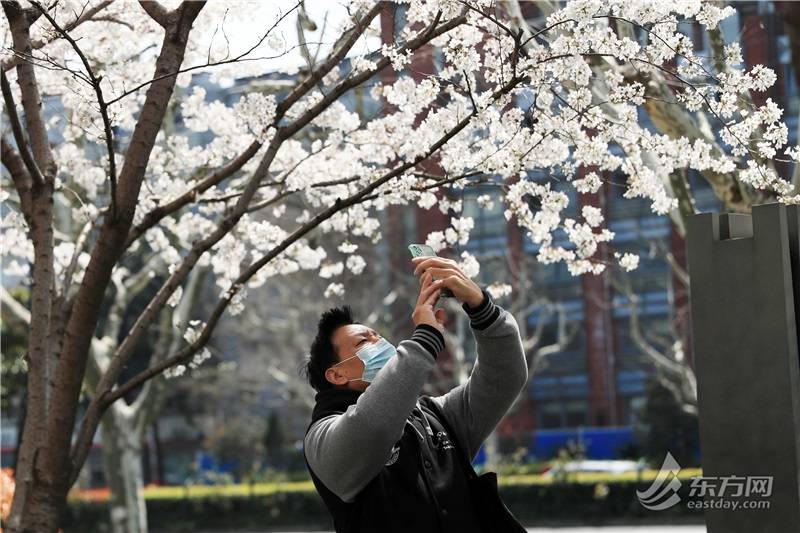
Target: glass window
550,417
575,413
490,231
560,414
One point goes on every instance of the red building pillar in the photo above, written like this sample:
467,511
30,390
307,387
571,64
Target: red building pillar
599,330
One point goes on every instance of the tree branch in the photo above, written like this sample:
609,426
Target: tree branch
31,99
637,336
16,129
347,42
21,178
157,12
108,248
84,16
104,398
147,316
95,83
73,264
157,214
159,77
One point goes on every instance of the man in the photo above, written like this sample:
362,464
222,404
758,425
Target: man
385,459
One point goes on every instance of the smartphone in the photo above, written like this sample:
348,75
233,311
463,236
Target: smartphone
423,250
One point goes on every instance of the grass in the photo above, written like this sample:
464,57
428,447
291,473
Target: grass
265,489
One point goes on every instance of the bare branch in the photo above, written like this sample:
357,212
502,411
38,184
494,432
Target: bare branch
637,336
675,375
304,22
680,272
348,40
145,404
80,243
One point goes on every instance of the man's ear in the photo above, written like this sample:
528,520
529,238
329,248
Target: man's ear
334,376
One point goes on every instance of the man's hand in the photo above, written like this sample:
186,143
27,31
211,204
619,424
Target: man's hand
423,312
451,276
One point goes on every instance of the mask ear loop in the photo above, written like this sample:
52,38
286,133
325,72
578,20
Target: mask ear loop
346,360
354,379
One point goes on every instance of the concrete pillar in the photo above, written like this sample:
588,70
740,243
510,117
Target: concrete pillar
745,283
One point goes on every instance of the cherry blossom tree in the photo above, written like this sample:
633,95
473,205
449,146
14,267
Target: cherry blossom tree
104,188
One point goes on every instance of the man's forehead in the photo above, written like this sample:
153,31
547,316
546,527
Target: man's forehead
349,331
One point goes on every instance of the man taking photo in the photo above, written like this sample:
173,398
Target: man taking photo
386,459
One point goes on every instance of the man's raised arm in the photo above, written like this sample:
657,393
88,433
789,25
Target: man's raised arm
474,408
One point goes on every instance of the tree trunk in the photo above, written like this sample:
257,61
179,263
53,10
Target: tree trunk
122,457
43,511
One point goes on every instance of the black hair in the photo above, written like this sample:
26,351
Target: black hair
323,353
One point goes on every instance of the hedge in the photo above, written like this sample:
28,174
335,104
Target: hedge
534,505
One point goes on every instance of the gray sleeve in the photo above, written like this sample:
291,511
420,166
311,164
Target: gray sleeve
346,451
474,408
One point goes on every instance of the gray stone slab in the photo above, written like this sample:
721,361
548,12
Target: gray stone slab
745,275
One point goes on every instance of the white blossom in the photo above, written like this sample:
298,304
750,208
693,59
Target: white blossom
329,270
356,264
498,290
334,289
628,261
436,240
175,371
485,201
592,215
469,264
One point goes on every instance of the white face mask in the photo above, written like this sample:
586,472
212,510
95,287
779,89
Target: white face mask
374,355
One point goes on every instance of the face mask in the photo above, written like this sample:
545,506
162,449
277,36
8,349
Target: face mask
374,355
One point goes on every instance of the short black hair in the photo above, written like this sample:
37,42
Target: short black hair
323,353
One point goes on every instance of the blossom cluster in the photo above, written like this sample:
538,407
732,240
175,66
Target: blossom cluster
563,105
